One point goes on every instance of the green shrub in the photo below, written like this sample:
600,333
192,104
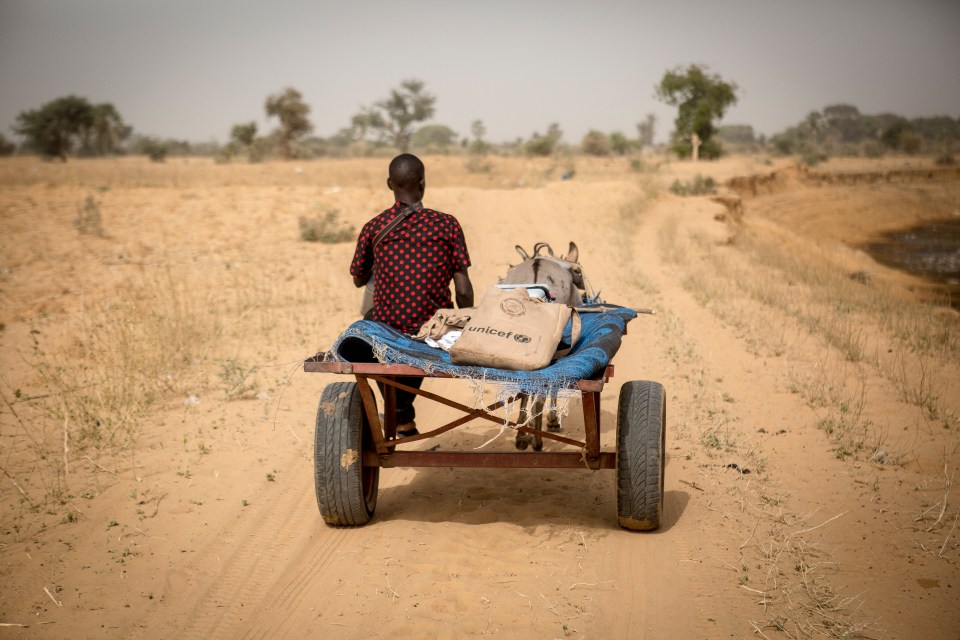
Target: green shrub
239,383
872,150
811,157
699,186
88,220
325,229
477,164
544,145
154,149
910,142
620,143
596,143
539,146
7,148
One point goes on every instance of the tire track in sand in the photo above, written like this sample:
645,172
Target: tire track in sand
249,570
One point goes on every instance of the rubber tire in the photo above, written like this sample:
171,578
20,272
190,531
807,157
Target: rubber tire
346,489
641,431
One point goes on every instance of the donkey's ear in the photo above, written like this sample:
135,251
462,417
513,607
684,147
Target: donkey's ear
573,254
523,254
537,248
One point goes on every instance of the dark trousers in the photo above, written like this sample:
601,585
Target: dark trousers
405,411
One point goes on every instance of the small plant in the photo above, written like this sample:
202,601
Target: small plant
699,186
477,164
325,229
154,149
710,440
88,220
812,157
872,150
238,383
596,143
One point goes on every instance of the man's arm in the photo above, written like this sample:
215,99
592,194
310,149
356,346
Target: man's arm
362,260
463,288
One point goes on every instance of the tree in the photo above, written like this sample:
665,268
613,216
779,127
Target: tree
620,143
478,129
288,106
6,147
844,123
539,145
937,127
54,129
394,117
244,134
900,136
153,148
645,131
433,137
596,143
701,99
106,132
243,139
815,124
739,134
478,146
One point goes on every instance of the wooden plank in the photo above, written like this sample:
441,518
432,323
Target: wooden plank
591,424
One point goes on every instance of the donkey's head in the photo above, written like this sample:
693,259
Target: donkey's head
562,275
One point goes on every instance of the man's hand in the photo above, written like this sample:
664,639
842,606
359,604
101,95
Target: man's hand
463,288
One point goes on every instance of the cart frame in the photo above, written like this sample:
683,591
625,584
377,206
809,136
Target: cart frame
385,439
352,442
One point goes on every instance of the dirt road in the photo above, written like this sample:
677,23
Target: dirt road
802,493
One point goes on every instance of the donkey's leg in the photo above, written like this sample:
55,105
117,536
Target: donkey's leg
553,419
538,423
523,440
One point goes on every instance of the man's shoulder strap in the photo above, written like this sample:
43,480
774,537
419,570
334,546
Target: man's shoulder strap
390,226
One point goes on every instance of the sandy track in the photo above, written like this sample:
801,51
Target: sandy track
224,540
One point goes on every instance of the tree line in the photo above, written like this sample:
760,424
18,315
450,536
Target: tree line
72,126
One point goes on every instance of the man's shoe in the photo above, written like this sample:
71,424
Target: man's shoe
408,429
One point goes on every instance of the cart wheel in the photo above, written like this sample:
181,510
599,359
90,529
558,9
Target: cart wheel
346,488
641,428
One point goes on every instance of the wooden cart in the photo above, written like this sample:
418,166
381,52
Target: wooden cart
352,444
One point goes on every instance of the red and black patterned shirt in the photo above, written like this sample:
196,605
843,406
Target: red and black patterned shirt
413,265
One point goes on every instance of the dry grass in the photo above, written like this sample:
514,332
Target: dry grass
839,337
907,342
97,373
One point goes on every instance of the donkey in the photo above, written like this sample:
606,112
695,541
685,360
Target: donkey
563,278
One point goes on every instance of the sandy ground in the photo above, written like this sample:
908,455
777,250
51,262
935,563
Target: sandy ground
809,491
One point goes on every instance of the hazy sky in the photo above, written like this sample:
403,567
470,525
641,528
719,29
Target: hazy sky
190,69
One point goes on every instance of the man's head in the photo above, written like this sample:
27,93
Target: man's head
406,178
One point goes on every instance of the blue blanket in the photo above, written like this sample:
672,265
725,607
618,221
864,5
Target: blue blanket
601,333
